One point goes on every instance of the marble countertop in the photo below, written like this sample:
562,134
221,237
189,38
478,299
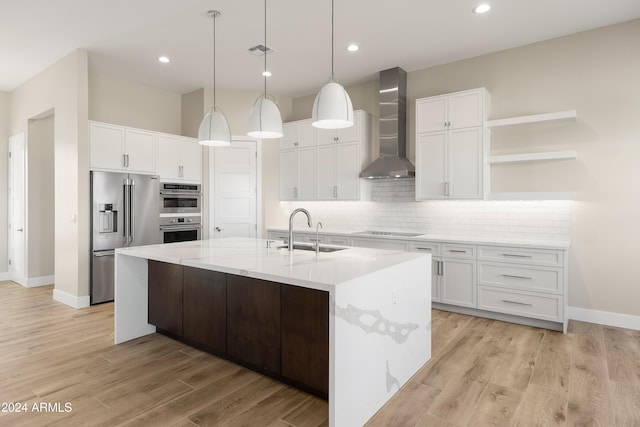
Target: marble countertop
252,258
496,241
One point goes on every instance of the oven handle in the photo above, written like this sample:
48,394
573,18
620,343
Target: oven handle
180,227
181,193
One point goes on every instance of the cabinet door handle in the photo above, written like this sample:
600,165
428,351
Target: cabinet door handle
517,277
516,302
423,249
295,192
441,268
127,160
517,256
124,161
295,143
335,191
458,251
446,189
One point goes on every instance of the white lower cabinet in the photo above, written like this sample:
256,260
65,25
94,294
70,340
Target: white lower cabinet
436,266
459,282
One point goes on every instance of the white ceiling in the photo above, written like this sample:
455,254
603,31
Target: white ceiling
125,37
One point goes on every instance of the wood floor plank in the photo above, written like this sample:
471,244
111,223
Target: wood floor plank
589,395
496,406
541,407
622,351
456,401
626,403
553,363
409,405
519,359
313,412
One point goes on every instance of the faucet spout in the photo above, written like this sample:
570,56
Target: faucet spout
304,211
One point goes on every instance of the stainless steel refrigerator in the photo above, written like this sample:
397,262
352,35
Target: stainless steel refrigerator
124,213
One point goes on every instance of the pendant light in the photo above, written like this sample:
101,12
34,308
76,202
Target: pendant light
214,127
332,108
265,120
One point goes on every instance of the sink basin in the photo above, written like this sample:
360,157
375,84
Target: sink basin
312,248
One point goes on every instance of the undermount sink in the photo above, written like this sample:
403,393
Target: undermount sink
312,248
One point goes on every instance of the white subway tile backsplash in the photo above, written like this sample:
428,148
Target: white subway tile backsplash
393,208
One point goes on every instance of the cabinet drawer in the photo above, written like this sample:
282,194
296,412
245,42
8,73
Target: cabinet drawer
431,248
539,279
274,235
391,245
520,303
459,251
548,257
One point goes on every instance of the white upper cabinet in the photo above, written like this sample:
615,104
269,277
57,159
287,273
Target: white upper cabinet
298,134
350,134
119,148
451,143
453,111
179,159
324,164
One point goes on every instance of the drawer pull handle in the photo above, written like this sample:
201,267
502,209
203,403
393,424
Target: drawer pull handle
517,256
423,249
457,251
516,302
517,277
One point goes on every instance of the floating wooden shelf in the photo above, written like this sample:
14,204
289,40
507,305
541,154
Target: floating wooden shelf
531,195
532,157
535,118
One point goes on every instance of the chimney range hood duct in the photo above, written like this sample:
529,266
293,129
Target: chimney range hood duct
393,162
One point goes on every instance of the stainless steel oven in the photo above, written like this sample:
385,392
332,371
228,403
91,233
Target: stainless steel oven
179,198
180,228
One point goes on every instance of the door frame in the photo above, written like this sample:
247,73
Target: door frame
211,185
19,138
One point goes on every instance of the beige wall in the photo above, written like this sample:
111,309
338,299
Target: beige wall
4,167
63,88
40,197
191,112
126,103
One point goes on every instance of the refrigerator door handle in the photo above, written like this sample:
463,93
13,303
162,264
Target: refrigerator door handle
132,207
125,193
104,253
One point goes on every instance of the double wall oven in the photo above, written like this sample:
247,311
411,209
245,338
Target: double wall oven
180,212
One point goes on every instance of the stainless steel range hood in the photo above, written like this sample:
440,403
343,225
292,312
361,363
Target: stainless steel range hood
393,162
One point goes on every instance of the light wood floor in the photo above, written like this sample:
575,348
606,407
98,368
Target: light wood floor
483,372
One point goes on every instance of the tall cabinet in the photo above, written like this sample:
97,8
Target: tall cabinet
451,144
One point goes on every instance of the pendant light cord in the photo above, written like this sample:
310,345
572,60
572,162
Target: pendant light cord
265,48
332,74
214,61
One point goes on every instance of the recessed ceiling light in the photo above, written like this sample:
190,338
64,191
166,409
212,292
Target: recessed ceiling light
482,8
266,73
164,59
353,47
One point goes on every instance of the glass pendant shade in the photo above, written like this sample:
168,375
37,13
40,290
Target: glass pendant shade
265,120
332,108
214,129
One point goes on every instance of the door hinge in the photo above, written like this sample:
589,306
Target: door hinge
9,154
9,261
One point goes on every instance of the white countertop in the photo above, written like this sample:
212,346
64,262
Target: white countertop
495,241
252,258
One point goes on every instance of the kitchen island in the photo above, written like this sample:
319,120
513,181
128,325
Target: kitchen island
377,306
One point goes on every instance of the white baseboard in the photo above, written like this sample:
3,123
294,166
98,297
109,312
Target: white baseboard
32,282
71,300
5,276
605,318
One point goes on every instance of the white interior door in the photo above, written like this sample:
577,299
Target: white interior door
17,267
235,189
